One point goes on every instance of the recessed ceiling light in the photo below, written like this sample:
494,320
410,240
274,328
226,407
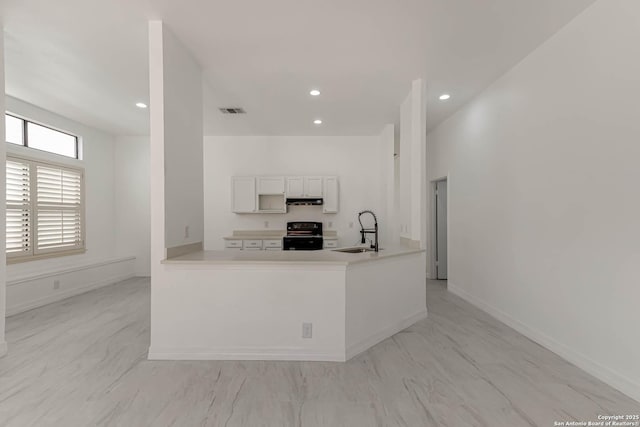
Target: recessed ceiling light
444,97
141,105
314,92
317,121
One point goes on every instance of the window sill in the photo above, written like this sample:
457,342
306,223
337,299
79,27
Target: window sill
19,260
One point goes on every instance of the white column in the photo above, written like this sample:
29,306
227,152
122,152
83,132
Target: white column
390,235
156,135
176,152
3,213
412,215
418,161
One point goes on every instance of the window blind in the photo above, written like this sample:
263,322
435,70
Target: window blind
58,208
45,208
19,223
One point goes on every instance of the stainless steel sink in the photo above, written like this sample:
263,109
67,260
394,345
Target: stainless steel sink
353,250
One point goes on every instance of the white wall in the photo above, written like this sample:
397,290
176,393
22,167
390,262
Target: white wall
35,288
3,255
182,97
355,160
30,284
132,201
99,185
543,194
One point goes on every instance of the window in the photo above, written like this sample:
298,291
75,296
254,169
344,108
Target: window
45,209
15,130
23,132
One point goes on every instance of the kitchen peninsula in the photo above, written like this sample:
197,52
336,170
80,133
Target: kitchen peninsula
304,301
285,305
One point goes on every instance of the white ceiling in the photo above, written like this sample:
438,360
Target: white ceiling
87,60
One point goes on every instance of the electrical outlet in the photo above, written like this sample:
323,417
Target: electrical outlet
330,224
351,225
56,284
186,231
307,330
266,224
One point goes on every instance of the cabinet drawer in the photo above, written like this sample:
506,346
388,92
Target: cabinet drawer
252,244
330,243
233,244
273,249
272,243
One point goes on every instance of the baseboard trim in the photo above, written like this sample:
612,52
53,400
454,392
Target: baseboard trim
373,339
599,371
242,354
177,251
288,354
59,296
3,348
53,272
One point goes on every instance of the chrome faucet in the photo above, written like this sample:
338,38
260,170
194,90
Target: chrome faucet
364,231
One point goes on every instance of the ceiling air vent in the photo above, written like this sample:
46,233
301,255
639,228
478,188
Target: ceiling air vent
232,110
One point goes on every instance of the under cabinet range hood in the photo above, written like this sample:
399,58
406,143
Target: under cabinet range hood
299,201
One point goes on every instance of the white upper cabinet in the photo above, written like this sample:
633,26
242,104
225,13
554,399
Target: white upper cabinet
243,194
312,186
267,194
304,186
270,185
330,203
295,186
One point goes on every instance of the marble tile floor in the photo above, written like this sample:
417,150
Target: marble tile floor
82,362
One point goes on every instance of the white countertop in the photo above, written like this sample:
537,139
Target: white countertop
323,257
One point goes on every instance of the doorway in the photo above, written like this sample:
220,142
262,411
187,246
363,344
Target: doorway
439,259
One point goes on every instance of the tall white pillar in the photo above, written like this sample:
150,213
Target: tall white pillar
3,208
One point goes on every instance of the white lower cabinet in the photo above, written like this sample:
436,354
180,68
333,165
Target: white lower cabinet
268,244
330,243
272,244
254,244
233,244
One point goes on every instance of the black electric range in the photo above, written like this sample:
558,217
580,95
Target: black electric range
303,236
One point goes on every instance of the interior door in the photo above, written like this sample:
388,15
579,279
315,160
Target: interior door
441,229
